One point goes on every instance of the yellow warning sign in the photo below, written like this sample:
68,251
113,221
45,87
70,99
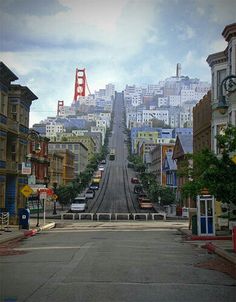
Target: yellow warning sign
26,191
54,196
234,159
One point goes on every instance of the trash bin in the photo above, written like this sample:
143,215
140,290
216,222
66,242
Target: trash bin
194,225
24,218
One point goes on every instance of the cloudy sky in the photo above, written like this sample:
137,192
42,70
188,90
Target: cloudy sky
117,41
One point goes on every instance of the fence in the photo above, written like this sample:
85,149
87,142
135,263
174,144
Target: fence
4,221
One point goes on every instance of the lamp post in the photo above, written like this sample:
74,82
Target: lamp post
229,85
159,201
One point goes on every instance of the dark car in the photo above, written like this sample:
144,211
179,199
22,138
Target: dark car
135,180
94,186
138,189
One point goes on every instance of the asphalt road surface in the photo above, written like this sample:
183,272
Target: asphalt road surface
111,262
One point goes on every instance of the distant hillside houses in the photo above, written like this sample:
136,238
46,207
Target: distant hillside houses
170,101
84,122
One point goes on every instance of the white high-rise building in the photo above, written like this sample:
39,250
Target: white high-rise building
110,90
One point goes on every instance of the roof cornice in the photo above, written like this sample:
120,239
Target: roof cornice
216,58
229,32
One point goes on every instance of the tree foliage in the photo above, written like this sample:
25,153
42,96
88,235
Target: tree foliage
156,191
217,173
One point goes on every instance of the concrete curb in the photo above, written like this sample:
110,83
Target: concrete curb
217,250
47,226
212,248
27,233
202,238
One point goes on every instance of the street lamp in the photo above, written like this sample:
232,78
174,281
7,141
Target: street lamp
229,84
159,201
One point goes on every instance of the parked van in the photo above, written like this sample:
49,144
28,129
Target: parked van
79,204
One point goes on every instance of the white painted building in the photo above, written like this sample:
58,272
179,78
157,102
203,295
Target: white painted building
174,100
53,129
163,101
110,91
101,130
223,64
66,110
155,89
87,100
190,95
148,115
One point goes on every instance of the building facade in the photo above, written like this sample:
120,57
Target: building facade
15,102
202,124
79,150
223,64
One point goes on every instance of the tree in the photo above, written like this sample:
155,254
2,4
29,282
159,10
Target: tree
156,191
217,173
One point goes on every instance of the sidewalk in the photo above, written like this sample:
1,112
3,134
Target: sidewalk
221,245
12,232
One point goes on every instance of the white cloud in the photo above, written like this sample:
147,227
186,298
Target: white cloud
194,64
186,32
217,11
217,45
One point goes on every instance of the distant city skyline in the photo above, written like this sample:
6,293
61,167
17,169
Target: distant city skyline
120,42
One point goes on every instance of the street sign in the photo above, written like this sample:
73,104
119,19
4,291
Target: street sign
31,180
26,191
54,196
26,168
48,191
43,195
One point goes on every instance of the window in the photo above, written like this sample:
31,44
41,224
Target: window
220,76
2,148
3,103
13,152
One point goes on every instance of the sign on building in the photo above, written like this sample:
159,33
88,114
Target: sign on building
26,168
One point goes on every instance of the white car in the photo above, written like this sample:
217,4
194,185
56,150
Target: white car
79,204
101,168
89,194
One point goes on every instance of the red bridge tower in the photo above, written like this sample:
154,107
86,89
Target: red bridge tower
80,84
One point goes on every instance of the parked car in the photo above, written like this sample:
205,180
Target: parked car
141,195
101,168
94,186
135,180
103,162
90,194
138,189
79,204
145,203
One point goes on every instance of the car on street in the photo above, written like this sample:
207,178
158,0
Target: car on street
79,204
145,203
103,162
94,186
135,180
101,168
138,189
90,194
